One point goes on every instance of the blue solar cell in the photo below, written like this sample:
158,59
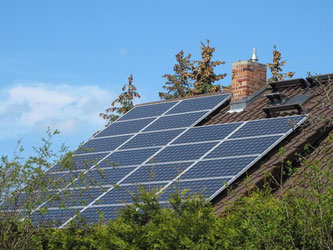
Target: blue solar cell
92,214
202,103
243,147
54,217
125,127
183,152
80,162
267,126
54,176
207,133
152,139
16,201
158,172
175,121
130,157
123,194
87,161
213,168
98,177
147,111
102,144
205,187
59,180
75,197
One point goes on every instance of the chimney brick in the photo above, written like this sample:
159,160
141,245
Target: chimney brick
248,77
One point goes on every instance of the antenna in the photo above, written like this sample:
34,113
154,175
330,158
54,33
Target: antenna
254,57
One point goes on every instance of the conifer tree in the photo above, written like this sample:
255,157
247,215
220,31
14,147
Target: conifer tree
203,74
276,68
125,101
178,85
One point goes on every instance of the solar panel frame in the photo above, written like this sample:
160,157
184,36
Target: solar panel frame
212,195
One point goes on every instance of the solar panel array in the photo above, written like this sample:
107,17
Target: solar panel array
158,146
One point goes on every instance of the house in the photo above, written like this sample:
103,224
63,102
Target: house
188,138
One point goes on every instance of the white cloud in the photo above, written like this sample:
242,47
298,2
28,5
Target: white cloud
34,107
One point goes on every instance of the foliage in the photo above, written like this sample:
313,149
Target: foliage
203,73
178,85
276,68
125,100
301,219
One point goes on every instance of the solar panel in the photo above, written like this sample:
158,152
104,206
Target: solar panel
158,146
207,133
103,144
152,139
205,187
183,152
76,197
102,177
224,167
125,127
130,157
81,162
61,179
157,172
57,216
176,121
267,126
147,111
202,103
243,147
122,194
93,214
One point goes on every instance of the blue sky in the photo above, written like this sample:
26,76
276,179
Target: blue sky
63,62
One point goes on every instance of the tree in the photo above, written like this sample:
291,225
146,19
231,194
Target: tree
125,100
178,85
25,185
203,74
276,68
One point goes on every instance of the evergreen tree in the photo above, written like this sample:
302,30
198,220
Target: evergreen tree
203,74
178,85
276,68
125,101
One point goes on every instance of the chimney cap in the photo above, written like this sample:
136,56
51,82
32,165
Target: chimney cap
254,57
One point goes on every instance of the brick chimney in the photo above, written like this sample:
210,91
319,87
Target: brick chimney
248,81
